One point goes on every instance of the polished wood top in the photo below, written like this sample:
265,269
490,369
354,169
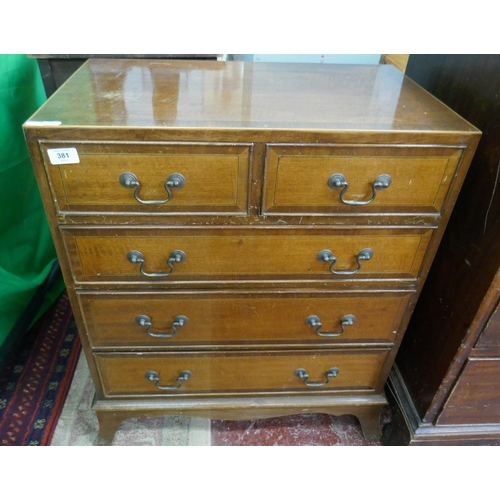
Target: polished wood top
246,96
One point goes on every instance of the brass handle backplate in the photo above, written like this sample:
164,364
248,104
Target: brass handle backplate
337,181
303,375
314,321
182,377
144,320
327,256
136,257
174,181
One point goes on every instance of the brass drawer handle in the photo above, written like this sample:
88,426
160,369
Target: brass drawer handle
144,320
174,181
337,181
314,321
303,375
135,257
182,377
327,256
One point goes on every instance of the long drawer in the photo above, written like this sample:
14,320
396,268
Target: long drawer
183,254
132,177
331,179
141,374
230,319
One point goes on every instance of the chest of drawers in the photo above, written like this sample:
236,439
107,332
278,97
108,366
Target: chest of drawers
244,240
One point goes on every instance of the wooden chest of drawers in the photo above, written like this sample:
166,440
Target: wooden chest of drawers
244,240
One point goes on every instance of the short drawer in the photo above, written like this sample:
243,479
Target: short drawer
240,320
475,399
325,180
151,178
143,374
121,254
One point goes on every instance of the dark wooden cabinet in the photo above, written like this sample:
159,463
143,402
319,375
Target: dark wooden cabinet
446,381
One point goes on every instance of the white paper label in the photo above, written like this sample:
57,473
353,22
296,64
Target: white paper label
63,155
50,123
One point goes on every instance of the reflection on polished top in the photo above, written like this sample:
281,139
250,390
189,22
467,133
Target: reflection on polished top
236,95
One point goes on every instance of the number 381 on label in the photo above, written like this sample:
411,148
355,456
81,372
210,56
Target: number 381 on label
63,155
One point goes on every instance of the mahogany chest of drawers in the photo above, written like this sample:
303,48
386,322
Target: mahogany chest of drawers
244,240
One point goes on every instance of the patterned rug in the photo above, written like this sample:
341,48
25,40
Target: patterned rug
36,379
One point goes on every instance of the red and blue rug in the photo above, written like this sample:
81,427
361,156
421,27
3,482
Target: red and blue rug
36,379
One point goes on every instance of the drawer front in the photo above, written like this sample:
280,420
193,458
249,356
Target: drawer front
215,178
204,319
490,337
227,372
297,179
242,254
475,399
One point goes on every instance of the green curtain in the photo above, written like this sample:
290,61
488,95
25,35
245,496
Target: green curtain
26,248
